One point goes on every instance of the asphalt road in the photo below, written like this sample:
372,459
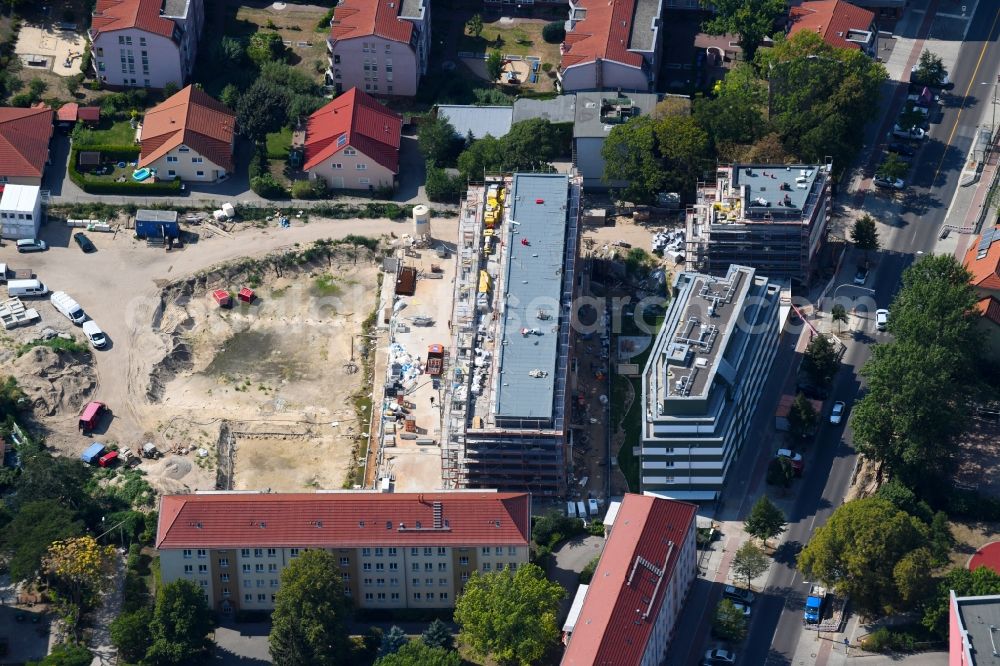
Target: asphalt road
777,625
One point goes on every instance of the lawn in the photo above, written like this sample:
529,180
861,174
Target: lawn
108,133
279,144
519,37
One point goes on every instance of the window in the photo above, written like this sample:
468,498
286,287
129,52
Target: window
367,566
364,181
428,566
486,566
366,552
379,552
262,597
199,160
416,596
442,551
442,566
442,581
369,596
387,48
246,568
225,592
485,551
464,561
202,568
247,582
171,173
337,165
512,550
347,590
380,582
272,568
380,596
379,566
260,582
429,582
121,39
202,553
248,597
244,552
392,552
294,552
145,82
499,551
394,596
430,596
336,60
393,582
443,596
513,566
187,553
414,552
172,159
428,551
142,41
351,151
393,566
389,88
224,578
465,576
259,568
100,66
415,566
200,174
346,577
416,582
224,562
344,561
128,41
367,581
188,569
185,149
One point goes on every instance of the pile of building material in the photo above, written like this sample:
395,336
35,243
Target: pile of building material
14,314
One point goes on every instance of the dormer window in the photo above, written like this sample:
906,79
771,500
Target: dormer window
183,149
350,151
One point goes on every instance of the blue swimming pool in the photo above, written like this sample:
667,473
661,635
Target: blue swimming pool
141,174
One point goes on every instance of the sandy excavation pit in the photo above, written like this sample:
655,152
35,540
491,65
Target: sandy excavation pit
277,372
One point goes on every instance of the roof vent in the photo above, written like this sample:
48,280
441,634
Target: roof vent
418,525
388,524
361,523
402,526
263,524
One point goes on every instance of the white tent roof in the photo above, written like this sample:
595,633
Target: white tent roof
19,198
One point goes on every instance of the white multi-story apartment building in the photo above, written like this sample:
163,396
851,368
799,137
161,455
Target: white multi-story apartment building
704,378
629,611
394,550
145,43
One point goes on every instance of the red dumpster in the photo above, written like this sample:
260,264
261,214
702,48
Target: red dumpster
246,295
108,459
222,298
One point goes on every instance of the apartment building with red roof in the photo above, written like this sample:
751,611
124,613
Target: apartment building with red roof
379,46
353,143
394,550
145,43
611,44
982,259
24,144
839,23
631,606
189,136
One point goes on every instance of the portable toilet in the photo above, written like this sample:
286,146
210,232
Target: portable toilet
581,509
571,509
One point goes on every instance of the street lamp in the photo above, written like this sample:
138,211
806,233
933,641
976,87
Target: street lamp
993,123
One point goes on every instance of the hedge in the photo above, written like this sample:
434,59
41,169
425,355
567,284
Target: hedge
130,187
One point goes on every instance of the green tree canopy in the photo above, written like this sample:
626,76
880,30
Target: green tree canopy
494,65
307,625
262,109
965,583
438,141
510,616
802,418
437,635
66,654
839,314
864,234
475,25
912,575
130,634
418,654
749,561
858,549
392,641
729,622
737,114
930,70
766,520
780,472
34,528
181,622
820,361
529,145
752,20
265,47
892,167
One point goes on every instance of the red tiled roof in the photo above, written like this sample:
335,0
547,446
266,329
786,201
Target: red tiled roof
604,33
192,118
342,519
606,631
67,112
122,14
831,19
24,140
90,114
366,124
365,18
989,308
985,271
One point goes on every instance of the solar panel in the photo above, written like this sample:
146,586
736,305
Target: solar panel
986,240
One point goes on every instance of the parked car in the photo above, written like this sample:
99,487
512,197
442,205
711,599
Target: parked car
837,413
796,459
913,133
85,244
719,657
744,608
901,148
861,276
31,245
95,334
738,594
889,183
881,319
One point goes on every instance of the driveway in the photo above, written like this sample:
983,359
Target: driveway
243,644
567,563
412,172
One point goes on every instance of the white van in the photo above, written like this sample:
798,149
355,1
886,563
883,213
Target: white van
593,507
571,509
581,509
94,334
26,288
70,308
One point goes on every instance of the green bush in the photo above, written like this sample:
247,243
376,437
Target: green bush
266,186
588,571
324,23
884,639
55,344
309,189
442,188
554,32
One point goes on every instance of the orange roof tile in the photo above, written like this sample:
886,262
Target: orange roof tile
112,15
358,120
604,33
364,18
608,630
24,140
192,118
342,519
989,309
67,112
986,270
831,19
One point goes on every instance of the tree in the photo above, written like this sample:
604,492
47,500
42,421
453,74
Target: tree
839,315
930,70
766,520
554,526
392,641
981,582
768,150
307,626
780,472
802,418
33,529
181,621
79,569
587,573
66,654
672,105
683,145
534,142
892,167
912,575
942,539
265,47
440,187
554,33
820,361
230,96
736,115
262,109
510,615
418,654
906,500
864,234
44,477
229,52
630,154
858,549
752,20
937,306
130,634
749,561
437,635
170,89
438,140
729,622
474,26
494,65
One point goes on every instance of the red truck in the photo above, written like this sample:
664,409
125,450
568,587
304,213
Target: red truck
435,360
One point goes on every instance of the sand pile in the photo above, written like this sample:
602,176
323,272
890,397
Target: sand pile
54,382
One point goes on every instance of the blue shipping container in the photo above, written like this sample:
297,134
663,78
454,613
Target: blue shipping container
93,453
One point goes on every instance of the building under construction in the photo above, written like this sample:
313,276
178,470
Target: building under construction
506,397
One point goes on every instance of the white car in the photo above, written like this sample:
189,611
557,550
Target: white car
788,453
889,183
881,319
719,657
95,334
837,413
744,608
915,133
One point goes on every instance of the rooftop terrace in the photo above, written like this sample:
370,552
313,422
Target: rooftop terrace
765,192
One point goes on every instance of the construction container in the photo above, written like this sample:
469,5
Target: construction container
246,295
222,298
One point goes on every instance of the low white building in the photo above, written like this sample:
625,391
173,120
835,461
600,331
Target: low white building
20,211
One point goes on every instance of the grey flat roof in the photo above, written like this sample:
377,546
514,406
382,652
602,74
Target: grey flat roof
785,189
643,33
588,121
411,9
480,120
175,8
977,615
561,109
156,215
533,286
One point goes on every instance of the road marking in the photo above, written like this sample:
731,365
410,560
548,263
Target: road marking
964,17
972,80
